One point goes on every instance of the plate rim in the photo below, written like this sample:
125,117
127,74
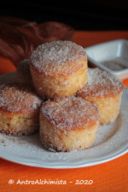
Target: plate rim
106,159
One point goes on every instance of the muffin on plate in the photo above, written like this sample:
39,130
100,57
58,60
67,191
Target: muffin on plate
19,109
105,91
68,123
58,68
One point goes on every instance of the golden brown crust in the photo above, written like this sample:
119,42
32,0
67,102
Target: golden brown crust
55,139
49,87
69,113
18,123
58,58
108,107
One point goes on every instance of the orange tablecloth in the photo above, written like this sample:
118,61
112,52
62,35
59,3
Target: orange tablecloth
108,177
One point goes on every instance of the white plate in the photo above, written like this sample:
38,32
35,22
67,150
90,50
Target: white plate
111,142
111,56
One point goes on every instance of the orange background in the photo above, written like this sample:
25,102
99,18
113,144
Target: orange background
108,177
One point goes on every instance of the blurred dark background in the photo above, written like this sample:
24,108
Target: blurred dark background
82,15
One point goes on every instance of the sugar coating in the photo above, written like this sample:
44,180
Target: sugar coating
57,56
17,98
101,83
69,112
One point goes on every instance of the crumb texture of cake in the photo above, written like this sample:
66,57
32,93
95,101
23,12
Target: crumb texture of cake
58,68
19,109
105,91
68,123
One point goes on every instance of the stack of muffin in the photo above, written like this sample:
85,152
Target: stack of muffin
55,91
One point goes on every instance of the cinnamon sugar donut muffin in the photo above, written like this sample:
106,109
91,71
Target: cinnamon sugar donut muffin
58,68
68,123
19,109
105,91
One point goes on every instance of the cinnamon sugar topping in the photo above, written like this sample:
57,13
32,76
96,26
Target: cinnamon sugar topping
57,56
69,112
101,83
16,98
